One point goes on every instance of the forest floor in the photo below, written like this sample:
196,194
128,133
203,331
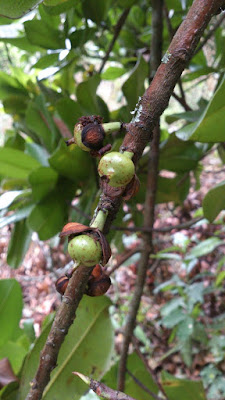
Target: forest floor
43,265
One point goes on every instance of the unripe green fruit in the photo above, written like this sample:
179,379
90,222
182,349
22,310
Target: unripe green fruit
78,137
85,250
117,168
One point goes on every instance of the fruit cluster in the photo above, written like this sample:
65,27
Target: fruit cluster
86,244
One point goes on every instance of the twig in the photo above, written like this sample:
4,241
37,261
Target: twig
157,28
102,390
124,257
117,30
145,388
147,366
63,320
211,32
81,212
184,225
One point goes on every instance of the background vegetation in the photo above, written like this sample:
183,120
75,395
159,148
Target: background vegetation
61,72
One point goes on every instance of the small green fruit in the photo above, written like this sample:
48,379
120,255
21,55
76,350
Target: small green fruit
117,168
85,250
78,137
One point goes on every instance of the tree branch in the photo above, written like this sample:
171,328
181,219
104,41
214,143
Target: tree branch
170,228
117,30
156,49
211,32
102,390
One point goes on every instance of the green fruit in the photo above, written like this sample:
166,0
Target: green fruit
85,250
78,137
118,168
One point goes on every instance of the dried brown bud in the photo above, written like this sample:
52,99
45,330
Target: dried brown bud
93,136
61,284
98,286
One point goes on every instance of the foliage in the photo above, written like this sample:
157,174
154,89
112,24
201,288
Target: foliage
62,44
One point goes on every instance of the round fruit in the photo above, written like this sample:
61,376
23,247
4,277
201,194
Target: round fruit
117,168
85,250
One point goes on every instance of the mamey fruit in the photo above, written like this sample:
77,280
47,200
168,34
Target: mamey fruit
117,168
85,250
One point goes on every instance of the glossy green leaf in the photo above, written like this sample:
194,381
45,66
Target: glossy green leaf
182,388
10,308
15,163
71,162
48,216
19,244
46,61
15,353
40,121
138,369
42,181
210,126
172,189
69,111
22,43
40,34
86,95
85,349
81,36
113,73
9,85
8,198
179,156
16,9
134,86
214,201
38,152
18,215
203,248
96,11
58,7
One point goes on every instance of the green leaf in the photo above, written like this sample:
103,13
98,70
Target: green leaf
81,36
11,305
42,181
179,156
220,278
210,126
85,349
69,111
18,215
134,86
16,9
113,73
138,369
86,95
185,328
9,85
40,121
182,388
19,244
71,162
174,318
96,11
203,248
22,43
48,216
38,152
56,8
46,61
8,198
214,201
15,352
40,34
16,164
